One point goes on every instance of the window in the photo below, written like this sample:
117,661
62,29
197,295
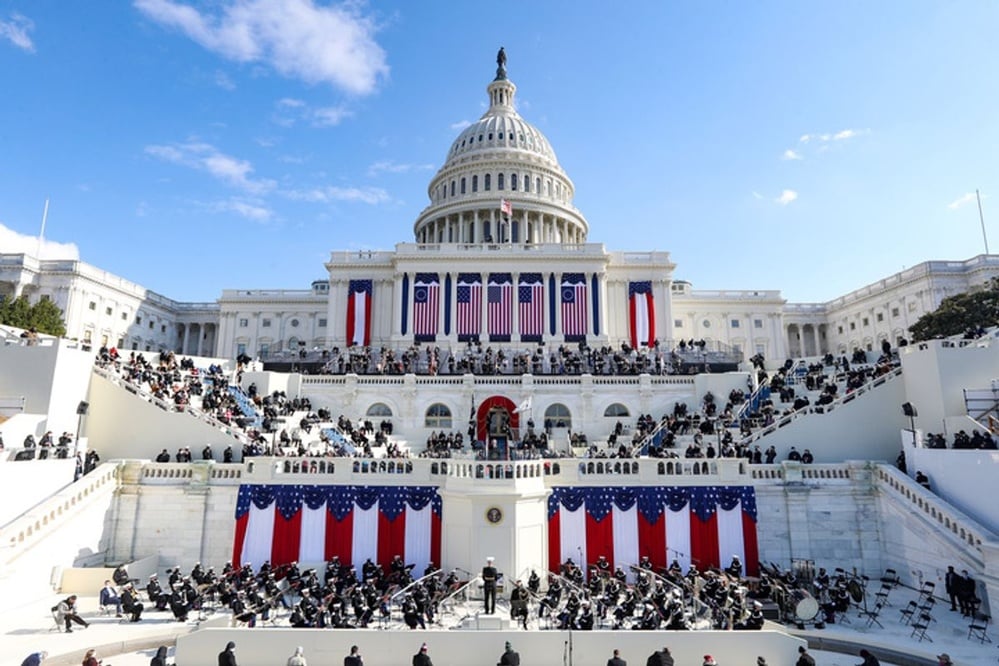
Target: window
501,136
240,349
894,312
881,316
853,326
475,183
558,416
243,323
87,336
615,410
912,306
150,325
322,322
46,297
537,186
757,323
761,349
438,416
121,343
138,319
93,305
265,323
107,311
452,188
513,181
499,180
379,409
840,330
677,323
735,323
527,183
265,349
487,183
163,328
462,185
124,316
866,321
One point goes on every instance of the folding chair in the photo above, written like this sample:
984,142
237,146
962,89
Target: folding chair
57,625
926,591
908,612
979,625
872,615
881,596
891,578
920,626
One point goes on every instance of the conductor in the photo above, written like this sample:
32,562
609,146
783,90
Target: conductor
489,576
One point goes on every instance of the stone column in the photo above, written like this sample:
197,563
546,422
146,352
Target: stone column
187,332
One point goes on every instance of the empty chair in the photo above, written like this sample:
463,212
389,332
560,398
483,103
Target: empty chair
891,578
920,626
908,612
926,591
979,625
881,596
872,615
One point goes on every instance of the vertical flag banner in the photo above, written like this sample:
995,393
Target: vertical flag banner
500,304
641,314
573,307
359,313
296,523
705,526
426,306
531,307
469,310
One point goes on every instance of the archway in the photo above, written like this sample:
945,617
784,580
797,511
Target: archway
495,416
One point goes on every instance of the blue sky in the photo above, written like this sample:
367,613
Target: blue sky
811,147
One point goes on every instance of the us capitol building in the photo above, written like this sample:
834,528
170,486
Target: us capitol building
468,252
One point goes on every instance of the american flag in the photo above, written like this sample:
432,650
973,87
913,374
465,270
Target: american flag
499,296
530,297
574,306
426,298
469,322
700,525
506,207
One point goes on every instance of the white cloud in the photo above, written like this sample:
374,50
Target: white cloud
329,116
790,154
844,134
250,210
297,38
368,195
388,166
757,195
223,81
290,103
841,135
15,30
965,198
13,242
786,197
205,157
460,125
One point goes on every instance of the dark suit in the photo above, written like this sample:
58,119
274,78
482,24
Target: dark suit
353,660
509,658
422,659
616,661
661,658
227,658
489,575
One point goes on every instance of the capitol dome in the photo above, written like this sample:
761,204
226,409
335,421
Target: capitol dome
501,158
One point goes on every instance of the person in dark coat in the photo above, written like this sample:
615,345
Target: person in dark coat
421,658
354,658
227,657
616,660
661,658
510,657
161,657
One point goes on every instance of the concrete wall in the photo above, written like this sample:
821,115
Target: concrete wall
123,425
960,477
266,647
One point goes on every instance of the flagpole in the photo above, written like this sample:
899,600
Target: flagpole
981,217
45,217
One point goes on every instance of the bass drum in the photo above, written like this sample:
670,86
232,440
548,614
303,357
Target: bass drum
804,606
856,591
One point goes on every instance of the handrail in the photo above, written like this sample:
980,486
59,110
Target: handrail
698,608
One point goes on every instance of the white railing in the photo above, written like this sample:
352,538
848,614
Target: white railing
24,531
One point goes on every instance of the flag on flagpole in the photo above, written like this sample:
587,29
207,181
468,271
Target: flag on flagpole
359,313
506,207
700,525
524,406
298,523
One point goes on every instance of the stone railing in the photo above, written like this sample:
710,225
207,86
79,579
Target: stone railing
195,472
920,501
23,532
473,381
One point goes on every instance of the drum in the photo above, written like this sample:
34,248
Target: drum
856,590
804,606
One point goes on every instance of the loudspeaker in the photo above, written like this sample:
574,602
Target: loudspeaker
908,409
82,408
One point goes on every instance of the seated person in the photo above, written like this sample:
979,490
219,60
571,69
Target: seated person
130,602
120,575
66,613
109,597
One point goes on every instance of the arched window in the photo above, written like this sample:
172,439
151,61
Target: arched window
558,416
378,410
438,416
463,185
513,181
537,185
527,183
499,181
475,183
452,188
487,183
616,410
